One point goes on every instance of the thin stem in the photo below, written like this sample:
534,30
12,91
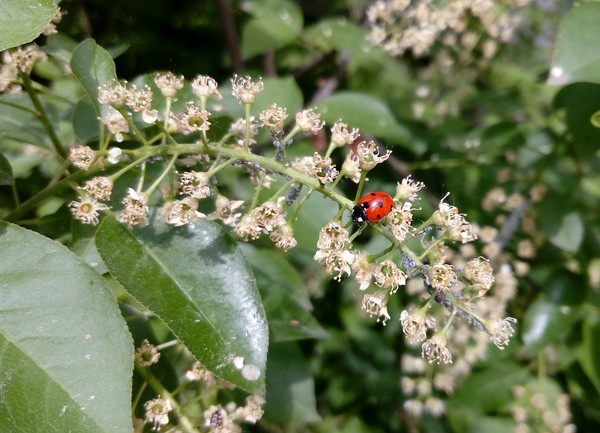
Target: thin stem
374,257
125,169
290,135
166,133
214,170
280,191
299,205
330,150
337,180
247,130
167,114
40,113
140,136
140,184
167,344
17,106
45,194
448,323
138,397
13,187
184,422
241,155
157,182
257,192
431,246
361,184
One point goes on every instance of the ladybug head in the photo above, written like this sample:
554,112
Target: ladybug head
358,214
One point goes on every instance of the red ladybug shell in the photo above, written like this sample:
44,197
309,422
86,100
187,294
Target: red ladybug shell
372,207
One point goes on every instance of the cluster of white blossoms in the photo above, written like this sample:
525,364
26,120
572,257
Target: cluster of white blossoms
458,287
401,25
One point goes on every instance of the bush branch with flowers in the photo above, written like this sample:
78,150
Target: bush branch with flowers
186,222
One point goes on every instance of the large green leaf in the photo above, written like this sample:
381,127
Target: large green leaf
66,355
21,21
338,34
85,119
576,57
365,112
93,66
20,124
285,296
580,102
275,23
545,322
290,387
564,227
569,234
484,392
197,282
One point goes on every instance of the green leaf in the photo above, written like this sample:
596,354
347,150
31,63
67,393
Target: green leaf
6,174
569,233
545,322
580,102
93,67
197,282
317,211
338,34
85,120
20,124
21,21
368,114
590,351
275,24
290,387
83,244
284,296
484,392
64,347
576,57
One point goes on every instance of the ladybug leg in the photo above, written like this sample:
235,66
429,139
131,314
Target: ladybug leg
361,227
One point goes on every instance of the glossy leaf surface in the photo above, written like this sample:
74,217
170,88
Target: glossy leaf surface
196,281
284,295
366,113
290,387
66,355
21,21
576,57
93,66
275,23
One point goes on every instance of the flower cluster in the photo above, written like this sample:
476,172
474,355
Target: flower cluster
398,26
467,317
212,417
430,377
19,60
535,410
460,40
458,287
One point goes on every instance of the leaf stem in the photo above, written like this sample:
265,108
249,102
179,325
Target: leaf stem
184,422
40,113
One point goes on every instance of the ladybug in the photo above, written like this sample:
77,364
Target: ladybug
372,207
